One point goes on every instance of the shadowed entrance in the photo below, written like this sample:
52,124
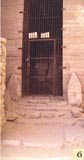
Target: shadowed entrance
42,47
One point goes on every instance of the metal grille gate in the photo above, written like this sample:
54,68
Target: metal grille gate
42,51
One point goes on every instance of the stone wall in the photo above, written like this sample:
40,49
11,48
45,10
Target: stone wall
73,38
12,26
2,79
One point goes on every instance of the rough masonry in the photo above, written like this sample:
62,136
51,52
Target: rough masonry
2,79
73,39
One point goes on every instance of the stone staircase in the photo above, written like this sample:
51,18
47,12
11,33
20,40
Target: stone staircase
43,107
46,127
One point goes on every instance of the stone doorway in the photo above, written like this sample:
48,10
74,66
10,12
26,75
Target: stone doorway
42,48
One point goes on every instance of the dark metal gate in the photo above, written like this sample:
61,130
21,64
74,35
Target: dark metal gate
42,47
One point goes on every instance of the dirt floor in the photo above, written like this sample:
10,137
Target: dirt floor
45,129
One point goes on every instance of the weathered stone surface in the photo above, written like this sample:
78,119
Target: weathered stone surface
74,90
2,79
75,136
11,116
82,106
34,115
76,112
48,115
14,87
8,101
10,142
75,108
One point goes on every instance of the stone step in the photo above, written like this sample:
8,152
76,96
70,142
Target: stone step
49,107
44,105
36,115
44,101
65,112
42,108
41,100
46,113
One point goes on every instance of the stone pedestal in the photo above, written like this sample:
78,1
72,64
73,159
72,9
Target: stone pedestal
74,90
2,79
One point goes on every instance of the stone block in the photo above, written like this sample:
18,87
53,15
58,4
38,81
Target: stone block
14,87
74,90
11,116
9,104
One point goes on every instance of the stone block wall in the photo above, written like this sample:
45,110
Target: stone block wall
73,38
2,79
12,27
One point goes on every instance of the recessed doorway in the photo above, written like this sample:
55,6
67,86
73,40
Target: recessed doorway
42,48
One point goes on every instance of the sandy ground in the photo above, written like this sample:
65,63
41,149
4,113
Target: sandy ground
43,137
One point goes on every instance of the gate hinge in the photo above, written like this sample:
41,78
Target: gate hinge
20,48
19,67
63,67
20,31
21,12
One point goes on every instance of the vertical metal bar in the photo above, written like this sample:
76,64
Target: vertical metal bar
35,74
58,61
25,48
49,51
54,69
38,68
28,67
44,84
